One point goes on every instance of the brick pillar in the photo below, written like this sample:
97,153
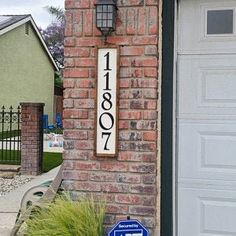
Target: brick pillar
31,138
130,181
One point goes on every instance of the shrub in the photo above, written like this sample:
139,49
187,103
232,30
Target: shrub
66,217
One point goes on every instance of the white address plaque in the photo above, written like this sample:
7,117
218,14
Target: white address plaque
106,123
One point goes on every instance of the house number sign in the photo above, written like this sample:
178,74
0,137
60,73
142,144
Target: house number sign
106,135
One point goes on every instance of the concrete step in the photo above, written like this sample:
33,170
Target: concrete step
10,168
9,171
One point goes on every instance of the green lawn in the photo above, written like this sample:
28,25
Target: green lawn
50,159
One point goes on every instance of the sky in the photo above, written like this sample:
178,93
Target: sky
34,7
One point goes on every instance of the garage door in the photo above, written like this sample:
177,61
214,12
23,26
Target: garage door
206,118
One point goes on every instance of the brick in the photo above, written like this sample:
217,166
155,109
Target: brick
78,73
103,177
123,124
128,199
117,209
69,42
151,50
129,156
150,136
76,155
142,168
128,178
131,21
143,125
141,21
153,20
149,179
121,19
150,104
144,211
84,103
76,52
131,51
145,40
131,3
75,175
74,114
114,166
84,124
88,42
118,40
85,62
68,103
130,136
130,115
142,189
79,93
69,62
125,94
83,145
115,188
145,62
75,134
151,2
150,72
88,22
85,83
86,186
87,166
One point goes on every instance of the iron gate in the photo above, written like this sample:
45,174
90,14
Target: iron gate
10,136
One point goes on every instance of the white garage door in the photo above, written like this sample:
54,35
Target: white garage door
206,118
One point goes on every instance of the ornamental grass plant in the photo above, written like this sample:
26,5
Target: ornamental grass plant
65,217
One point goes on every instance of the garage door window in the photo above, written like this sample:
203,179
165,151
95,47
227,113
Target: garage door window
220,21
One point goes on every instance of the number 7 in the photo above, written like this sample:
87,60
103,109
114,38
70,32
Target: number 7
108,134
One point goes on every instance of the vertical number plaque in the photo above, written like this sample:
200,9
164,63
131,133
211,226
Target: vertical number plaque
106,121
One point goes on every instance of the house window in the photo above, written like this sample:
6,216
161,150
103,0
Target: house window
27,28
220,21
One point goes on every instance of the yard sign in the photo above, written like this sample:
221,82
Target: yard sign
106,121
128,228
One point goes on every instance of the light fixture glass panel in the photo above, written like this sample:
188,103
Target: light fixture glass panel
109,23
110,8
99,23
99,16
104,23
220,21
99,8
105,8
104,16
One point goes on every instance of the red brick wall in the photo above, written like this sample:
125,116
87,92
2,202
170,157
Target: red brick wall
129,180
31,138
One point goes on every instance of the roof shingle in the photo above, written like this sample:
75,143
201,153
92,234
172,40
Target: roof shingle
11,19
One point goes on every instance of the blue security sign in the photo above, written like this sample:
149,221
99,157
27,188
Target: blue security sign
129,228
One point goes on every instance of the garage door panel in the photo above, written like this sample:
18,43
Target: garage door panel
206,212
207,151
202,39
206,118
207,86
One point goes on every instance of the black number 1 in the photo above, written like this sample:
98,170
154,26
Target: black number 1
107,61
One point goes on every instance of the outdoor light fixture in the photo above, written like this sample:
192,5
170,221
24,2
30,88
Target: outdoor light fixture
106,11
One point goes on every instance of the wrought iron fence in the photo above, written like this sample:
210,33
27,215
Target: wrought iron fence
10,136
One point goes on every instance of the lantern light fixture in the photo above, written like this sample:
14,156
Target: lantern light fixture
106,11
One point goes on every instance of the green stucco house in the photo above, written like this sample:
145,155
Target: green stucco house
26,65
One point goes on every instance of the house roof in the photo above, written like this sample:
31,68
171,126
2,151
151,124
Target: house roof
10,22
